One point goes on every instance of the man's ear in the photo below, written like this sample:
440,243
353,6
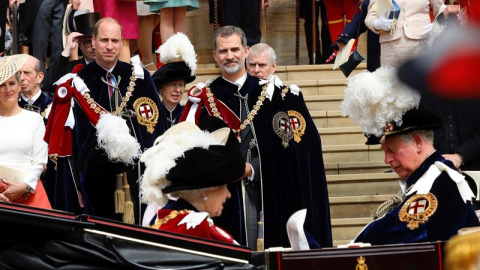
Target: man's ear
274,65
41,75
93,41
418,141
247,51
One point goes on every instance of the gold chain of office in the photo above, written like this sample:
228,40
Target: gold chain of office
125,99
160,221
250,116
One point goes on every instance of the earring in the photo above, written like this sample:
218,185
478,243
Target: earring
205,198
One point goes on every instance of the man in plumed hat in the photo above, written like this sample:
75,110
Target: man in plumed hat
81,27
436,199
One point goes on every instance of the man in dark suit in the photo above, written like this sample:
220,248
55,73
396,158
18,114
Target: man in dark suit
82,37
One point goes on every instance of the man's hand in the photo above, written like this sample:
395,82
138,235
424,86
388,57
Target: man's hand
15,190
455,158
248,170
383,23
71,43
13,2
75,3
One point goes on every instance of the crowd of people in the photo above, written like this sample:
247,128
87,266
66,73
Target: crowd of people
238,159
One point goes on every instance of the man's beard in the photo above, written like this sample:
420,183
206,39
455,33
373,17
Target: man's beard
234,69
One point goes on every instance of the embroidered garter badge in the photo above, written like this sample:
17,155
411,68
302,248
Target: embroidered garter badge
361,265
147,113
298,125
283,127
418,209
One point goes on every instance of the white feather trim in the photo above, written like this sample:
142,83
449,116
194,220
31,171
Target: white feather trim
160,158
114,137
374,99
177,47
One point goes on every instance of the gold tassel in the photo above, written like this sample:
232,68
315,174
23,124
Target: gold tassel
128,215
119,195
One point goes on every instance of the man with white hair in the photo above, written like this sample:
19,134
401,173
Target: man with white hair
436,198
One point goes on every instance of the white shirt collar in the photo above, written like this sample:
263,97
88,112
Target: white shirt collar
238,82
33,99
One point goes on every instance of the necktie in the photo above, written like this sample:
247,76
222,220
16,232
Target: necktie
111,82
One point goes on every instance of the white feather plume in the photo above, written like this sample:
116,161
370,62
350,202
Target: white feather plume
160,158
113,136
374,99
178,47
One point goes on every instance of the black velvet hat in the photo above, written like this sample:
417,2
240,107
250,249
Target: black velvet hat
202,168
187,158
412,120
85,23
171,72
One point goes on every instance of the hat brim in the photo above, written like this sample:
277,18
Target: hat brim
65,32
172,72
202,168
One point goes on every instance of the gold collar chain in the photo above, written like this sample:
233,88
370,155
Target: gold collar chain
250,116
125,99
172,215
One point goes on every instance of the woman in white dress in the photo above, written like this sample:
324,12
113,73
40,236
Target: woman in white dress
23,153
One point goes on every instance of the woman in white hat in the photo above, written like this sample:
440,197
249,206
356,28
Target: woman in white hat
23,154
193,167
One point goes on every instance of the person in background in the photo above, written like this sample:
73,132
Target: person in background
436,199
81,38
401,38
31,96
322,49
23,152
244,14
148,23
194,167
354,29
172,15
179,58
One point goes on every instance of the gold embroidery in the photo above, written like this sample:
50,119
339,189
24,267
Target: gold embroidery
361,265
298,124
283,127
418,209
172,215
147,113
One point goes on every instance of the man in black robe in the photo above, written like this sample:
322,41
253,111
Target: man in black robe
436,199
267,196
122,90
306,147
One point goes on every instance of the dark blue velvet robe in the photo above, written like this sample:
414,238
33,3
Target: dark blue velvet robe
285,191
451,215
97,174
42,102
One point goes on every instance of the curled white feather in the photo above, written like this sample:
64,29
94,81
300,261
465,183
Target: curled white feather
374,99
113,136
178,47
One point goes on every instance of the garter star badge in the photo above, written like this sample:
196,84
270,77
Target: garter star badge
418,209
283,127
147,113
298,125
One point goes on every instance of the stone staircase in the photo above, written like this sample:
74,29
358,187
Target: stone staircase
358,181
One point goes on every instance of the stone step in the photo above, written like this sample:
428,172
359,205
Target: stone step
362,184
336,168
324,102
350,152
319,72
356,206
320,87
346,229
332,118
341,135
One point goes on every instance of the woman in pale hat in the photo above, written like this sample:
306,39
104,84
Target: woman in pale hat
23,155
187,172
180,63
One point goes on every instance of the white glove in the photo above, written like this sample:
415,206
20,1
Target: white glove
383,23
